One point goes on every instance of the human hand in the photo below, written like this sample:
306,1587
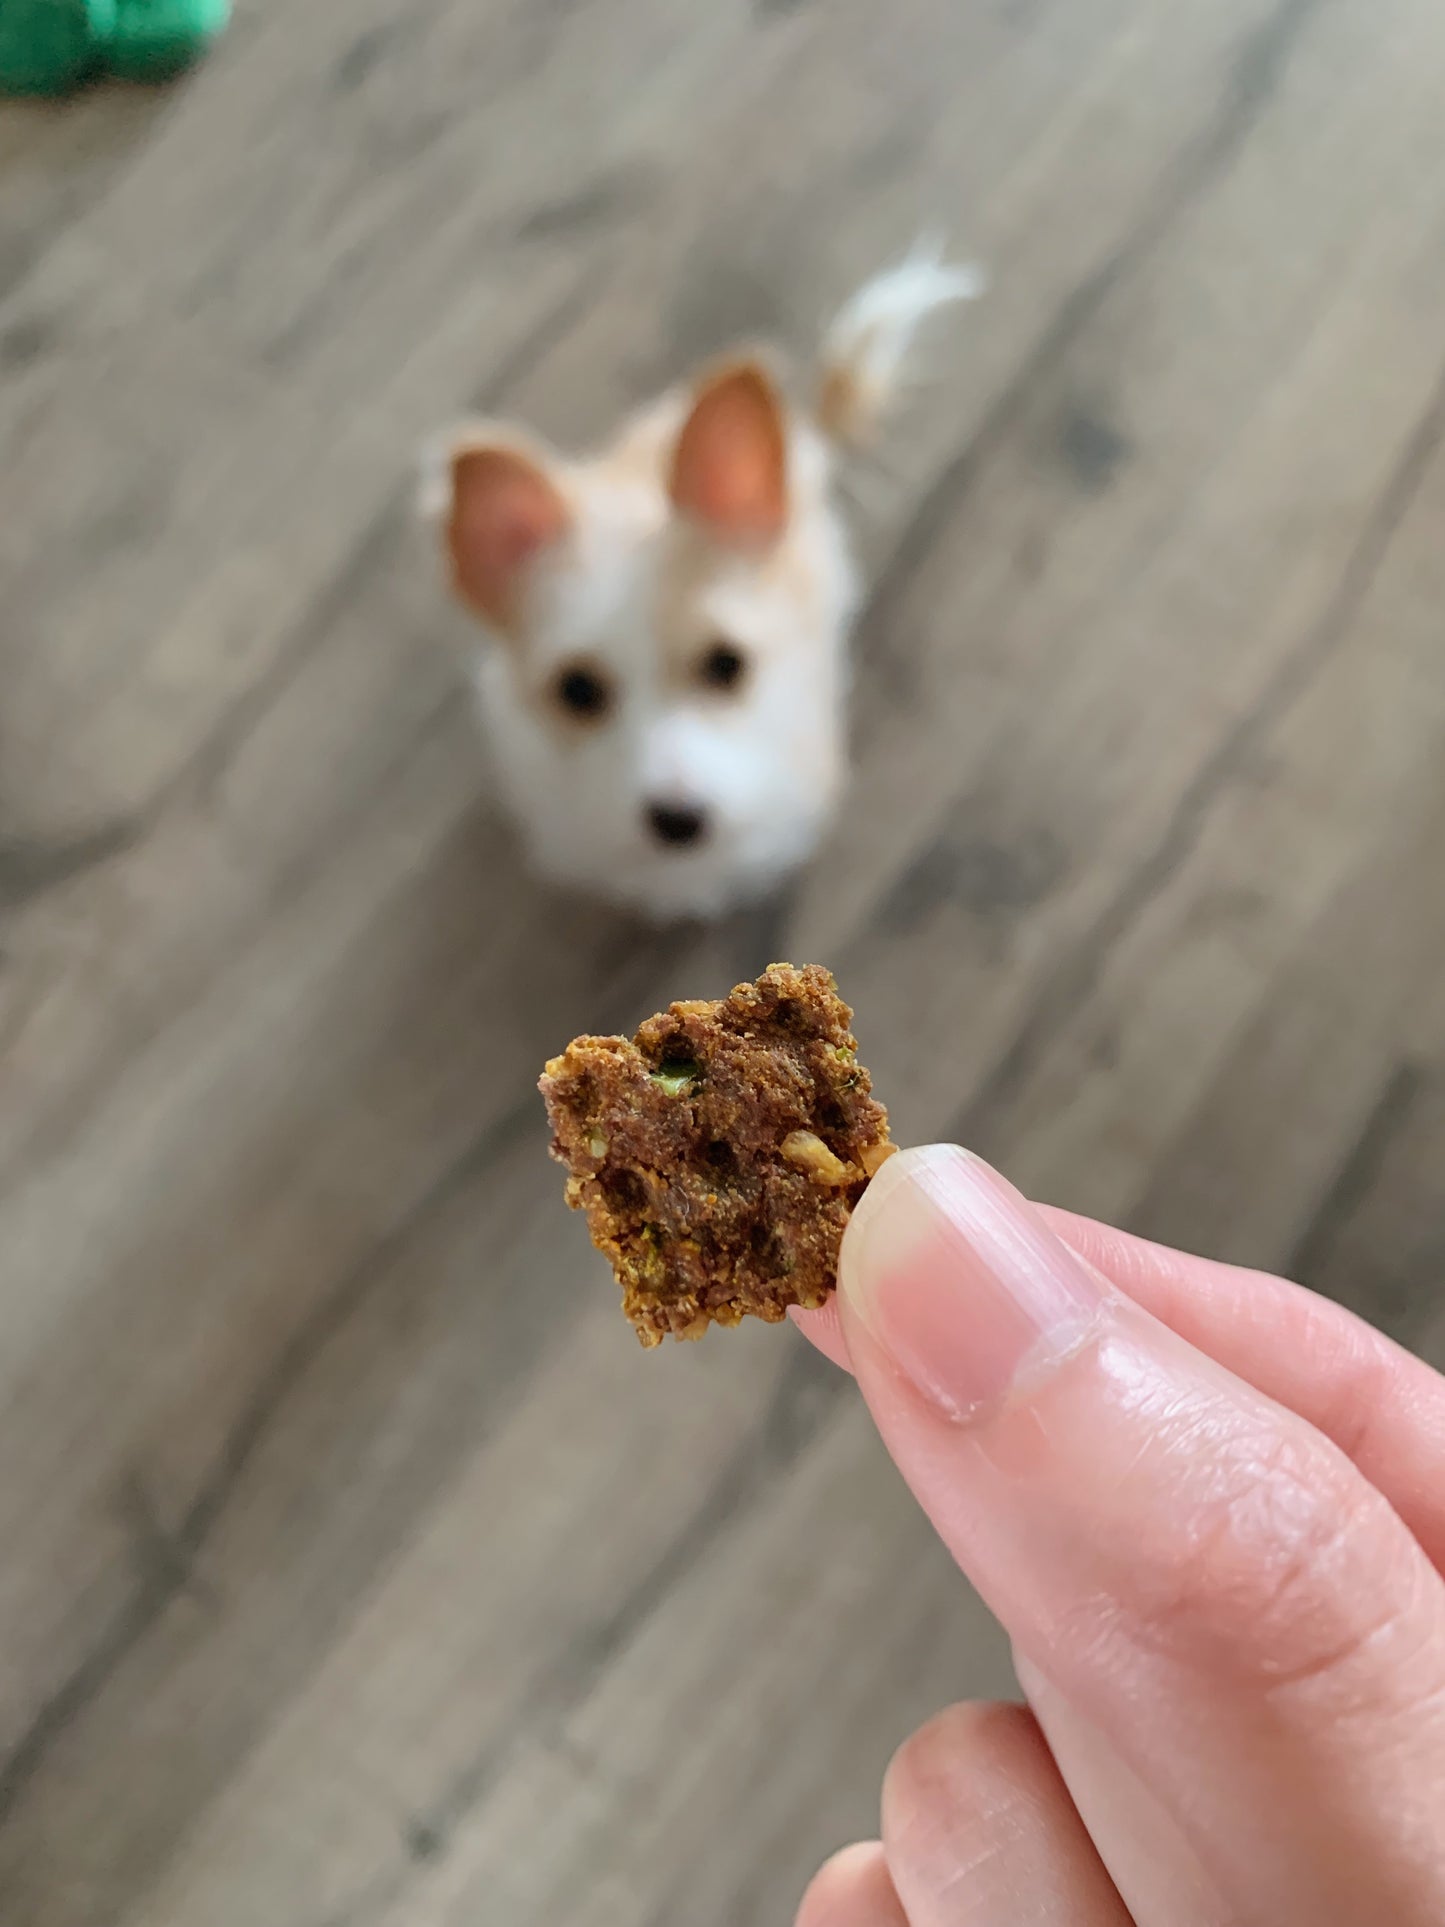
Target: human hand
1209,1510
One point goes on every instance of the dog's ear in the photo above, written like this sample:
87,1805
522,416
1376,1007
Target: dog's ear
505,510
730,466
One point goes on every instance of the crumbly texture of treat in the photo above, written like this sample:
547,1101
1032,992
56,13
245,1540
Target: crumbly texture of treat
720,1153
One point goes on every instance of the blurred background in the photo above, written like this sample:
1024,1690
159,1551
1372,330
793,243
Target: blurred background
359,1570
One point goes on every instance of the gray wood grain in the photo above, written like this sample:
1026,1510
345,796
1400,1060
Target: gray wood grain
359,1571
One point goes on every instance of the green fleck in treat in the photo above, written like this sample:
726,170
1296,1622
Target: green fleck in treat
719,1154
677,1075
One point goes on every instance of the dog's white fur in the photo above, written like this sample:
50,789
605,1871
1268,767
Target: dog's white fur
706,535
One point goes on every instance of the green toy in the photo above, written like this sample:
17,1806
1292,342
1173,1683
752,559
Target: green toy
51,46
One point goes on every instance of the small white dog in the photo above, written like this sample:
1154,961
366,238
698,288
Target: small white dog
665,663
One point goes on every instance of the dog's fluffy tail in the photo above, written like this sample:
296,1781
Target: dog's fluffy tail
864,349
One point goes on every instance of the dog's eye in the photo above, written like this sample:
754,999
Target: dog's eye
721,666
583,692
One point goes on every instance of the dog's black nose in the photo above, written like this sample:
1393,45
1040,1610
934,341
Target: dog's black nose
677,823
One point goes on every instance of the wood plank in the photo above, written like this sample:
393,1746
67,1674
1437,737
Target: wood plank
56,158
223,656
130,1193
333,1592
1087,749
1377,1239
1330,1062
721,1638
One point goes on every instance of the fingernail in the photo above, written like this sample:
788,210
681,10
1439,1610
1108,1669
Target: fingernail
960,1281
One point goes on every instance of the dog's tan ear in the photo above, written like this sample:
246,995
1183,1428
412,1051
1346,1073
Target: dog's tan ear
730,467
505,509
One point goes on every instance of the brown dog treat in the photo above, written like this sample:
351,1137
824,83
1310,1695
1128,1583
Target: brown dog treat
719,1155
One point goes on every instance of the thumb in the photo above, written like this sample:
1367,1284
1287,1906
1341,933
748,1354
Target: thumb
1173,1551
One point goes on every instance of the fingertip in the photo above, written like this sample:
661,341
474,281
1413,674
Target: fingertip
974,1812
853,1889
949,1764
823,1327
823,1330
958,1283
898,1170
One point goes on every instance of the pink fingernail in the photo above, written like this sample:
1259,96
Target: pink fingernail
960,1281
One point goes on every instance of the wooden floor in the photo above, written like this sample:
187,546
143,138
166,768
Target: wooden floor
358,1570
